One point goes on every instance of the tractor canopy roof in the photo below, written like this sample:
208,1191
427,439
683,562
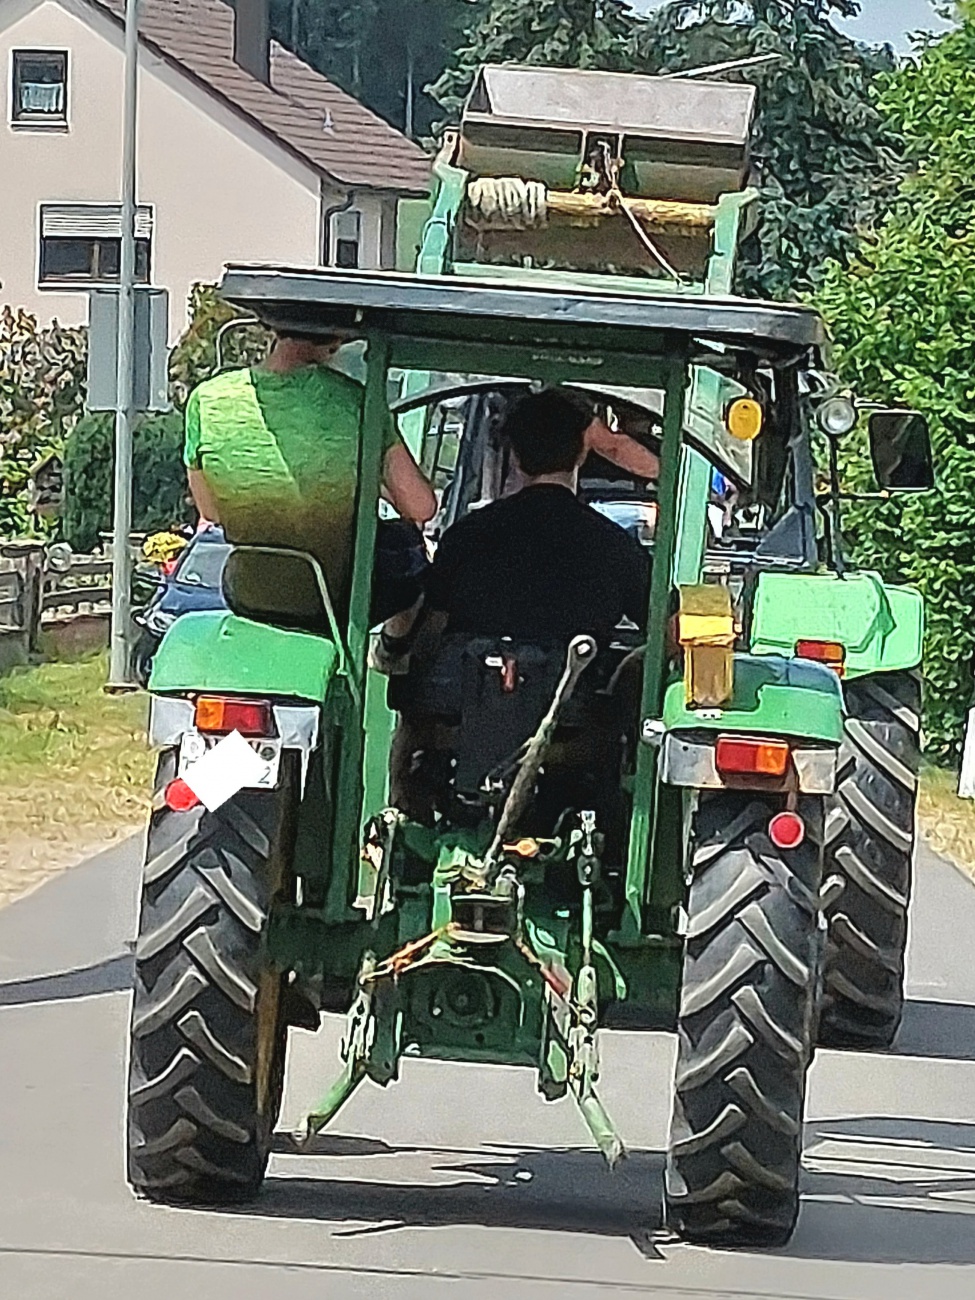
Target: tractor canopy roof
502,327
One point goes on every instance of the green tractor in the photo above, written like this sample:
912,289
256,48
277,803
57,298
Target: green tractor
497,932
623,835
541,179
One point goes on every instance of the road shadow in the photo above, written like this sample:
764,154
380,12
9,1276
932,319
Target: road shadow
890,1191
941,1030
496,1186
875,1190
114,975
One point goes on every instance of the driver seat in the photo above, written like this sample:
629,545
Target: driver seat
475,704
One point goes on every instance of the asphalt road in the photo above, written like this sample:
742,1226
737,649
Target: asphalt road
459,1181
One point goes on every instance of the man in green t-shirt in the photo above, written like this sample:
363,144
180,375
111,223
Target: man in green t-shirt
272,455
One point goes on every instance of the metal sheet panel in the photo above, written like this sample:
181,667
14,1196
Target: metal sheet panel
453,309
681,139
151,349
669,108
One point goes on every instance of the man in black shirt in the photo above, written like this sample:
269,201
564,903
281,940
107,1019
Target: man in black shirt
540,565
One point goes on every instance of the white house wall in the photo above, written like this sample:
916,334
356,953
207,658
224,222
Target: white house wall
377,229
221,190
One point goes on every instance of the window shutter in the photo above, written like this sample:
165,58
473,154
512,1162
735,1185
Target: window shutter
91,221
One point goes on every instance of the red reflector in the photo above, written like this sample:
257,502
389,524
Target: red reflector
249,717
179,797
787,830
829,653
740,757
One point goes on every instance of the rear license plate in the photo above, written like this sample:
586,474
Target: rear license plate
193,746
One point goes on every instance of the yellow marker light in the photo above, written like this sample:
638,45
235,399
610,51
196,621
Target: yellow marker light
707,635
744,419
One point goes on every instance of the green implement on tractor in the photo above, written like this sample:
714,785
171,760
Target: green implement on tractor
507,929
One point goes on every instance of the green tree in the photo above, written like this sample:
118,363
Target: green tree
903,318
828,161
213,324
409,47
383,52
159,491
329,34
562,33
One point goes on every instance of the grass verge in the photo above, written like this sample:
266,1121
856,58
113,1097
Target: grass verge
75,772
947,822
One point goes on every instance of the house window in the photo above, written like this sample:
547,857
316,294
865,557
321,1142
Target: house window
39,87
346,227
81,243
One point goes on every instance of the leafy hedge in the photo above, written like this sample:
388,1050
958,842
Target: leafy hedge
42,377
903,318
159,493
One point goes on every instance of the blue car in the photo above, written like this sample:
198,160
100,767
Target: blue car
196,583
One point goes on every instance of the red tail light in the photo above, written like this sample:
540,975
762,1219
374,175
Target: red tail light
739,756
828,653
179,797
249,717
787,830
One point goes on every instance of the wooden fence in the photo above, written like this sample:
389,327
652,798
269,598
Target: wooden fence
70,609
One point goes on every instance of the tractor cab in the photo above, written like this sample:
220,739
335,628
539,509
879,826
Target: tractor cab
469,709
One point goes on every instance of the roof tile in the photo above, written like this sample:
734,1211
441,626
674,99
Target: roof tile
301,108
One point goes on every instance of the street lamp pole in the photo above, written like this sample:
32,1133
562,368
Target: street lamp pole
119,668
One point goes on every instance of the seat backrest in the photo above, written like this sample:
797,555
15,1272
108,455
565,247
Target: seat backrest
279,587
492,693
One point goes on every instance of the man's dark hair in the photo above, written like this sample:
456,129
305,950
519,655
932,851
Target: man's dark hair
546,431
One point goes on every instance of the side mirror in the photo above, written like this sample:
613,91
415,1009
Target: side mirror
900,448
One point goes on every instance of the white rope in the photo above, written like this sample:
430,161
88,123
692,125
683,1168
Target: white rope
649,244
510,203
507,203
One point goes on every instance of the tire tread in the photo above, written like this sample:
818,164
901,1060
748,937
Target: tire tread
195,1133
746,1025
870,846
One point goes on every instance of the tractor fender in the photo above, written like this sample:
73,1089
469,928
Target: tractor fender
774,698
880,626
221,652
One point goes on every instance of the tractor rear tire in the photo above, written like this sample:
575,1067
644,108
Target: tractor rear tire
208,1037
870,837
746,1024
